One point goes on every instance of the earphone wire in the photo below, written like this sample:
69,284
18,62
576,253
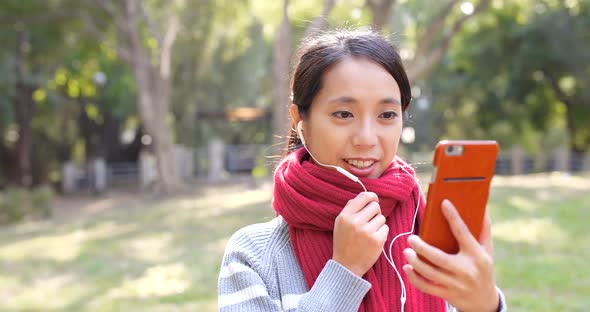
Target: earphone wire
389,258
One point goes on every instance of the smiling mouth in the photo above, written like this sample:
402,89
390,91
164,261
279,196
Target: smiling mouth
361,164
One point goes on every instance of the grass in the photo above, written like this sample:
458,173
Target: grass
146,255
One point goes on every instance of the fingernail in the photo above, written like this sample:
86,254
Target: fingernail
408,253
446,204
412,240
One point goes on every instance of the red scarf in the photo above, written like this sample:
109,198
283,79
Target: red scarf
309,198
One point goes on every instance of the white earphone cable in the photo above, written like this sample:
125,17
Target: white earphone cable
354,178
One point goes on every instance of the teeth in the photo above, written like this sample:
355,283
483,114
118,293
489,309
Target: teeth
360,163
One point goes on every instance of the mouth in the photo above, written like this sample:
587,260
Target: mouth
360,164
361,167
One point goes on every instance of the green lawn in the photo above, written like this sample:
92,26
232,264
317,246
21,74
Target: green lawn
146,255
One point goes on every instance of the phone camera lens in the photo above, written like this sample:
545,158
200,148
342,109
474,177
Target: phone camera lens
454,150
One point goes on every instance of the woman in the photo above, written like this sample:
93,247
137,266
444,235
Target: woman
325,251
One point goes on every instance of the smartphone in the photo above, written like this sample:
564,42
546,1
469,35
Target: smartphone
463,171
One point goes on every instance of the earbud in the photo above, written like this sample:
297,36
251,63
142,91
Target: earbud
300,131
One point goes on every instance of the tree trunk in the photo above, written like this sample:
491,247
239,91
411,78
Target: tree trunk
153,87
320,22
280,75
280,72
570,118
571,129
381,12
23,108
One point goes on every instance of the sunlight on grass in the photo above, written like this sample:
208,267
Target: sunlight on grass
157,281
222,203
63,247
150,248
522,203
164,255
531,231
52,292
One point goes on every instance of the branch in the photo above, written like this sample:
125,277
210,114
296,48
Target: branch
426,42
423,67
320,22
151,25
166,52
108,6
90,22
482,5
131,7
381,11
557,90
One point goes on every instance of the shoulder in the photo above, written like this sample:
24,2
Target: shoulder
260,241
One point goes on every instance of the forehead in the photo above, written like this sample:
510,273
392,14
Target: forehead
359,76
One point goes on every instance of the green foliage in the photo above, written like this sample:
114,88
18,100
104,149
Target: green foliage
516,72
17,204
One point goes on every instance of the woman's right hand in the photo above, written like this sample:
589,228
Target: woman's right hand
359,233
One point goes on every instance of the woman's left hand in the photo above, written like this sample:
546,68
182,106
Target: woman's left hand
466,279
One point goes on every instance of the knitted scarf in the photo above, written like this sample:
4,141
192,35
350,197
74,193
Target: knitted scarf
310,197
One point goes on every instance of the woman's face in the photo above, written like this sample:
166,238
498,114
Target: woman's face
355,120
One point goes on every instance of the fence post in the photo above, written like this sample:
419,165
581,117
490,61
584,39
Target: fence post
586,163
562,157
185,161
69,176
516,160
148,172
216,157
100,175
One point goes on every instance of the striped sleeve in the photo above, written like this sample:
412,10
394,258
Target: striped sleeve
241,287
246,284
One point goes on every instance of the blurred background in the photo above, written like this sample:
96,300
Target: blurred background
137,136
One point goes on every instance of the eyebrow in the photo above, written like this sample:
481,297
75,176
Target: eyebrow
351,100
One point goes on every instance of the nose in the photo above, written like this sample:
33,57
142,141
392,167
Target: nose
365,134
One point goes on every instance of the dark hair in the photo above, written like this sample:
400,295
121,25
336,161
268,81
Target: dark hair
317,54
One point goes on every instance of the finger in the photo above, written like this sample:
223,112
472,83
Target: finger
359,202
422,284
382,233
485,238
370,211
376,223
427,271
436,256
458,227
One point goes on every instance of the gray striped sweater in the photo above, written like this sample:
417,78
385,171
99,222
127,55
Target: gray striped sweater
260,272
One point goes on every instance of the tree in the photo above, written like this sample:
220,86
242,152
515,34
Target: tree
148,49
280,67
432,39
32,52
280,74
510,77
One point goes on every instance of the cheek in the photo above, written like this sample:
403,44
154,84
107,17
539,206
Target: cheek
391,142
330,143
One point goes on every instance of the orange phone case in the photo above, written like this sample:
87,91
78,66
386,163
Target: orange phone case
463,171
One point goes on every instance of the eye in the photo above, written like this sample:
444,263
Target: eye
389,115
342,114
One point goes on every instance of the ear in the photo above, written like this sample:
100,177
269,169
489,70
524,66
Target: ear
294,112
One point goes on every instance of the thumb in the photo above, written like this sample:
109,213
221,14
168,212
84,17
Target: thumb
485,238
